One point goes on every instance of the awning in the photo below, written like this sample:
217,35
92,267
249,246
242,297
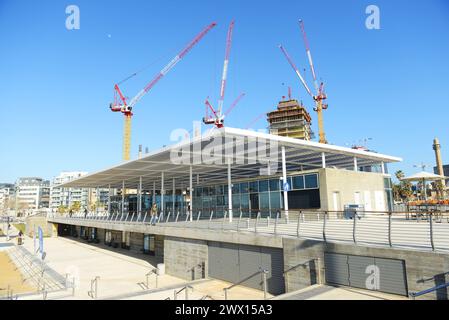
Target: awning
252,154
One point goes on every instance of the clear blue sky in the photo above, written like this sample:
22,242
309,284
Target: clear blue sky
390,85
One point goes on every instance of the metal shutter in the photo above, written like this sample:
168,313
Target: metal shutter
214,260
233,263
337,270
357,270
273,260
250,262
393,277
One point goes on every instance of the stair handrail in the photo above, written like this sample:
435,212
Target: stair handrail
423,292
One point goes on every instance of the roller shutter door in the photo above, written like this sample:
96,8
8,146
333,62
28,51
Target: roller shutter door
234,263
337,271
377,274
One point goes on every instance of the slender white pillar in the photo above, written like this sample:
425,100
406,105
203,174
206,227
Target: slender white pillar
284,180
97,200
162,191
229,191
356,167
139,197
190,192
173,195
382,167
109,200
323,159
154,192
123,197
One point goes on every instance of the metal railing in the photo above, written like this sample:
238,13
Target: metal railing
261,272
186,291
427,291
93,293
426,230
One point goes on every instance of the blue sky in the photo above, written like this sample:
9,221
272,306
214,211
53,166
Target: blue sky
390,85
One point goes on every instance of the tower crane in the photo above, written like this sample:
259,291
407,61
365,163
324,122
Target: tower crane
217,117
319,95
121,104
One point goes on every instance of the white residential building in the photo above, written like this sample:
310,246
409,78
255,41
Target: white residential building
32,193
68,196
6,193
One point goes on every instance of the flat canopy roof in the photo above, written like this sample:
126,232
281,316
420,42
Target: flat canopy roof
251,154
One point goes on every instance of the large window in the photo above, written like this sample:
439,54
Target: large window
259,195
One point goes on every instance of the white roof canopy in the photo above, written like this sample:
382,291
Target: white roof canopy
250,153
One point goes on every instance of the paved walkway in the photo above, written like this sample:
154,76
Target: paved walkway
118,273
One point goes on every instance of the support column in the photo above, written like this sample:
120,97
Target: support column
97,200
356,167
229,191
123,197
323,159
284,180
174,195
382,167
109,200
154,192
139,198
190,192
162,191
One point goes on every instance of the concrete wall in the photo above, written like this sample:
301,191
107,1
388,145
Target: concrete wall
347,183
182,257
49,229
424,269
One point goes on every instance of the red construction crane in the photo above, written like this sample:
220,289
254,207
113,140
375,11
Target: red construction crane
320,95
217,117
121,105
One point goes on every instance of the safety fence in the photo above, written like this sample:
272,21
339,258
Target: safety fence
415,230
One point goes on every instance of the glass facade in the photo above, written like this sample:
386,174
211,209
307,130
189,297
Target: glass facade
254,196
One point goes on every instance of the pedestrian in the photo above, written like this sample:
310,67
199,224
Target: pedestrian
153,214
85,213
70,213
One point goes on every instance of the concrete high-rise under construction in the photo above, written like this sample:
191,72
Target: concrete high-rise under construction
291,119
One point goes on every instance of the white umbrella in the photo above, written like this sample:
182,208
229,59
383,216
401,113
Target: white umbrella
424,176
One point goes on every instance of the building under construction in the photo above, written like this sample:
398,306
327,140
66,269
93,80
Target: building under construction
291,119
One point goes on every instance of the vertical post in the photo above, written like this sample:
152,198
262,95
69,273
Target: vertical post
226,293
431,231
154,192
324,226
139,199
97,197
318,270
297,227
123,198
109,200
390,218
191,192
382,167
284,180
229,191
354,228
323,160
162,191
264,280
174,195
356,168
